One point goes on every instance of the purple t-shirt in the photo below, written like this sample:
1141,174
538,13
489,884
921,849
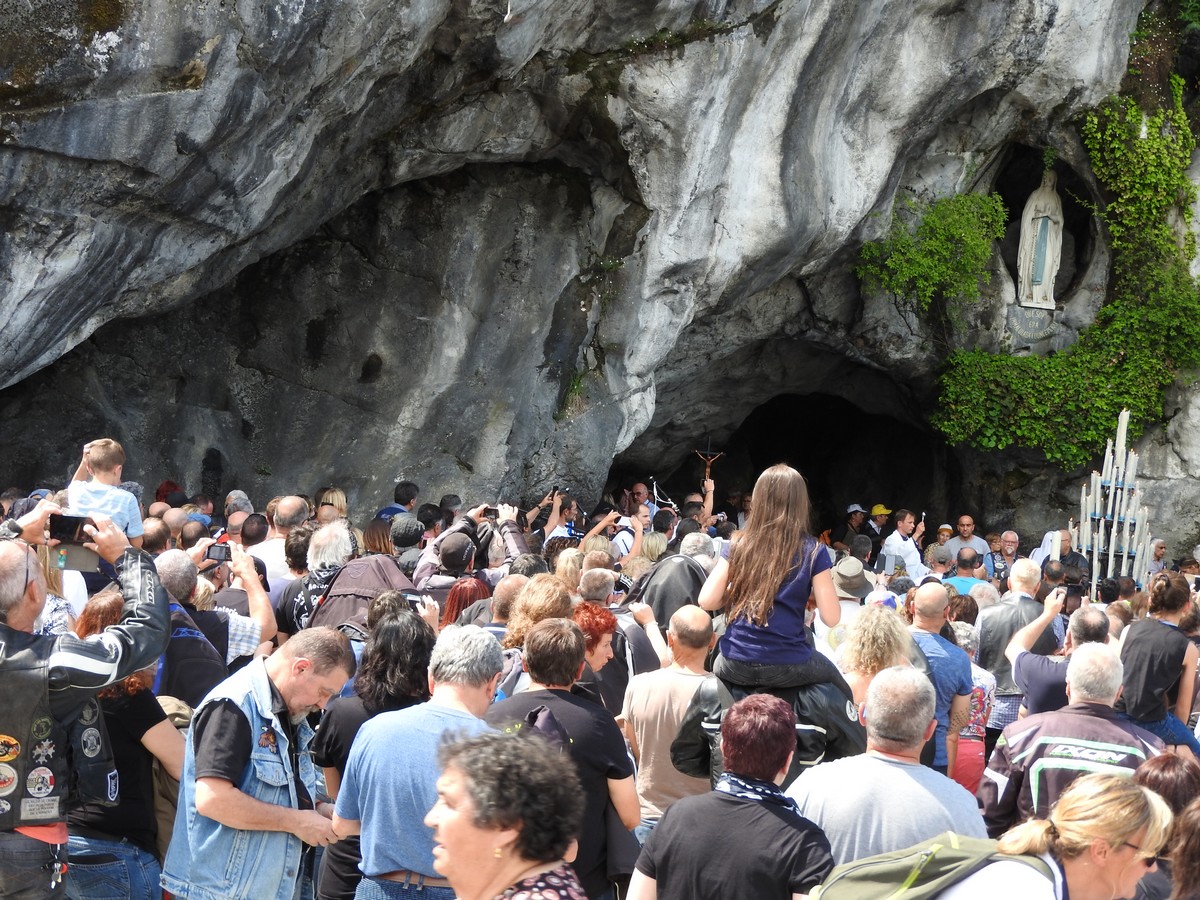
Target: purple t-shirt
783,641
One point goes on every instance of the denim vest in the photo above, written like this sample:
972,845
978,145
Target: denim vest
210,861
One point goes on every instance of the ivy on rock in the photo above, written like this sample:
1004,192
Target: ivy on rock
1066,405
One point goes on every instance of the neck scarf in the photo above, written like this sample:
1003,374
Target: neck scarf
752,789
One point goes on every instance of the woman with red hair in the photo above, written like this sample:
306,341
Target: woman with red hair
598,626
463,593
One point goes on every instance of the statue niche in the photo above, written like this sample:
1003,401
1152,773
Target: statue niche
1040,250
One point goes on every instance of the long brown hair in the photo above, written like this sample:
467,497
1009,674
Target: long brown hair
768,548
102,610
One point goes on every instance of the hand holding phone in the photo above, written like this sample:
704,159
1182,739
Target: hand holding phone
69,529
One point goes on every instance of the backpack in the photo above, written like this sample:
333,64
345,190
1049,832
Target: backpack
918,872
191,666
541,721
166,788
355,585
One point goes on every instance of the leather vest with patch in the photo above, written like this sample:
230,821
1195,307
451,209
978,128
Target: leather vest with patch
46,766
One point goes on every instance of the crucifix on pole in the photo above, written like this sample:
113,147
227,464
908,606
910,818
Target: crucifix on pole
709,458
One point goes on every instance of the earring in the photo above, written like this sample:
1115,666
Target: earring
498,853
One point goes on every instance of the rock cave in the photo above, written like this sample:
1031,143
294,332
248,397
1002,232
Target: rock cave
493,249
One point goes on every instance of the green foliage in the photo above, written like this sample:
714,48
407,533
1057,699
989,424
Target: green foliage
939,255
1067,405
573,400
1049,157
1189,14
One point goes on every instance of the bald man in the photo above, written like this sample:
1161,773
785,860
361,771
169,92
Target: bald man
655,703
175,519
950,671
233,525
290,513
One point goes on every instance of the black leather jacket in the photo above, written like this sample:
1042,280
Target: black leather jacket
827,727
56,750
997,625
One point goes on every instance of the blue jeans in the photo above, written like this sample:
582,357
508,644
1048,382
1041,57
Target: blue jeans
643,830
26,866
111,870
1171,730
381,889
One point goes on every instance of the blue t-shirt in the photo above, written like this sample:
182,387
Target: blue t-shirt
783,641
391,783
951,669
962,583
87,497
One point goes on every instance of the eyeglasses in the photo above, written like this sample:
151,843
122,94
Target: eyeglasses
1148,859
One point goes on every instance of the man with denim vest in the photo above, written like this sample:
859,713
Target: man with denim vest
248,814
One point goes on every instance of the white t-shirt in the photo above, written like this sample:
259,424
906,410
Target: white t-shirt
278,574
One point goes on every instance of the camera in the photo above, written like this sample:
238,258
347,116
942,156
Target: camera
220,552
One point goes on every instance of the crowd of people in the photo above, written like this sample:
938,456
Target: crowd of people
233,698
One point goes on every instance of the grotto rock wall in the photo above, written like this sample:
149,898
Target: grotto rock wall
483,244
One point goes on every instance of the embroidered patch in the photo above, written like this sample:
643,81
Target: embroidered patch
91,743
5,806
88,715
42,808
267,739
851,711
43,751
40,782
8,780
41,728
114,786
10,748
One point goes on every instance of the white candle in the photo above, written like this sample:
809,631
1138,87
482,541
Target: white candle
1108,461
1084,521
1122,430
1112,554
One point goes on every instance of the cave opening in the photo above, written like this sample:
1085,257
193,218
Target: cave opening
846,454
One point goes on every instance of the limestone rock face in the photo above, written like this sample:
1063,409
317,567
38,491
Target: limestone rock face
489,244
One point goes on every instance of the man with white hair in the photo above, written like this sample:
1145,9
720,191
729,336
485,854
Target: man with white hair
997,624
884,799
233,635
328,551
385,794
1038,757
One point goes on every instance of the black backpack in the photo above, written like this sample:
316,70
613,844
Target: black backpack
356,584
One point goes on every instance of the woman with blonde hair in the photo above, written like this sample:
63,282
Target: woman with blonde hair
332,496
774,566
1101,837
597,542
544,597
654,545
875,640
569,567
